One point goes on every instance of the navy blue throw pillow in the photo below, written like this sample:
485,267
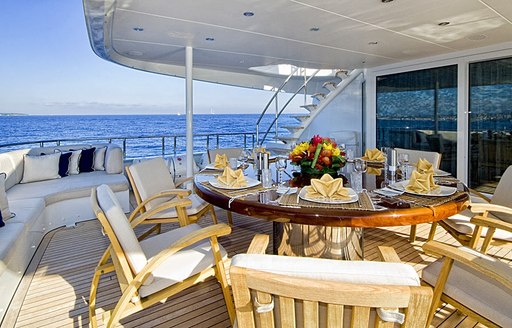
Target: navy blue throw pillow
86,163
2,223
64,164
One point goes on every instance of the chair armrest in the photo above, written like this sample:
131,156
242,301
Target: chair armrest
482,208
183,181
480,262
388,254
258,244
167,193
491,222
479,194
178,202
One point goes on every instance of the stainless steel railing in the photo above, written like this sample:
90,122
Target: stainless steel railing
147,146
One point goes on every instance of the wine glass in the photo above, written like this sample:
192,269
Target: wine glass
244,158
403,161
359,169
281,165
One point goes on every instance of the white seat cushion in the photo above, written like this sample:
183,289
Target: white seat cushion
474,290
461,223
177,267
356,272
72,186
11,232
197,205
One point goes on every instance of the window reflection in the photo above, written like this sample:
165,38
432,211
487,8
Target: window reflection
418,110
490,104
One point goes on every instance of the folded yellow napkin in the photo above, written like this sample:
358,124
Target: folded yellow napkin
373,155
327,187
374,170
424,166
221,161
232,178
421,183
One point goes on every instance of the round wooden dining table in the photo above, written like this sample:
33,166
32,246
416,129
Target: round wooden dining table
332,231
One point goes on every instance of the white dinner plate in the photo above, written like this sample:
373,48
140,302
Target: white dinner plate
351,193
442,191
250,183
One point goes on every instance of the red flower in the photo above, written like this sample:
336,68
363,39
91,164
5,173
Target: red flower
316,140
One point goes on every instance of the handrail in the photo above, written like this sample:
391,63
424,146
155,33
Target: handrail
294,70
248,141
284,107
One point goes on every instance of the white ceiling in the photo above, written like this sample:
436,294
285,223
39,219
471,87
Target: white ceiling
279,32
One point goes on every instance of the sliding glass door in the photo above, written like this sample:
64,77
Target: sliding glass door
490,121
418,110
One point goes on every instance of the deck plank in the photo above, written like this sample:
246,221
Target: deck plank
57,292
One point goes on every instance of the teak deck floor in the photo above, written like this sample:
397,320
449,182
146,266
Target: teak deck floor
55,290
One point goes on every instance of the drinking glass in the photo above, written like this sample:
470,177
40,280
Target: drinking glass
281,165
244,158
403,161
359,165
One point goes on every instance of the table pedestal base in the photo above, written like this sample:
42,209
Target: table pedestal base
341,243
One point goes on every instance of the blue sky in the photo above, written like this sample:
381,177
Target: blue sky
48,67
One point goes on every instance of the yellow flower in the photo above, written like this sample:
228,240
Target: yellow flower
336,152
301,148
328,146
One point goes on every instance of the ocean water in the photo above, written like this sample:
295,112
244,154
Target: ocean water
140,128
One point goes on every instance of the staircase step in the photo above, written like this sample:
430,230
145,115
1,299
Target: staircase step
309,107
319,96
293,128
288,139
301,118
342,74
330,85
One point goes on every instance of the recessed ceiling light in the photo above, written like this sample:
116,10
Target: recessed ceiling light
386,1
209,39
373,43
443,23
248,14
314,29
138,29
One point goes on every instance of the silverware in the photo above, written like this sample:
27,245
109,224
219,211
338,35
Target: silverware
298,193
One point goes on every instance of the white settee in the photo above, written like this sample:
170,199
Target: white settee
45,205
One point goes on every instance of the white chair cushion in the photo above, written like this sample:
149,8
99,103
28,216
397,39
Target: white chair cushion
122,229
151,177
197,205
185,263
474,290
461,223
356,272
38,168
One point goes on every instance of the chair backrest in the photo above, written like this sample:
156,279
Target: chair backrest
306,292
503,194
126,250
230,153
415,155
148,178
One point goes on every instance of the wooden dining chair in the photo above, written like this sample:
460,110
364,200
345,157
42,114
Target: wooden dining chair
486,218
285,291
152,185
414,157
151,270
476,284
229,152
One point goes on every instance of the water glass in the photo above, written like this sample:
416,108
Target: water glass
233,163
244,158
281,165
403,161
359,165
266,178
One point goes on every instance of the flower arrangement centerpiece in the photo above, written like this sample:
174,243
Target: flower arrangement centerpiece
317,157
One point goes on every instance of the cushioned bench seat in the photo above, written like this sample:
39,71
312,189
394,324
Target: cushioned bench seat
73,186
